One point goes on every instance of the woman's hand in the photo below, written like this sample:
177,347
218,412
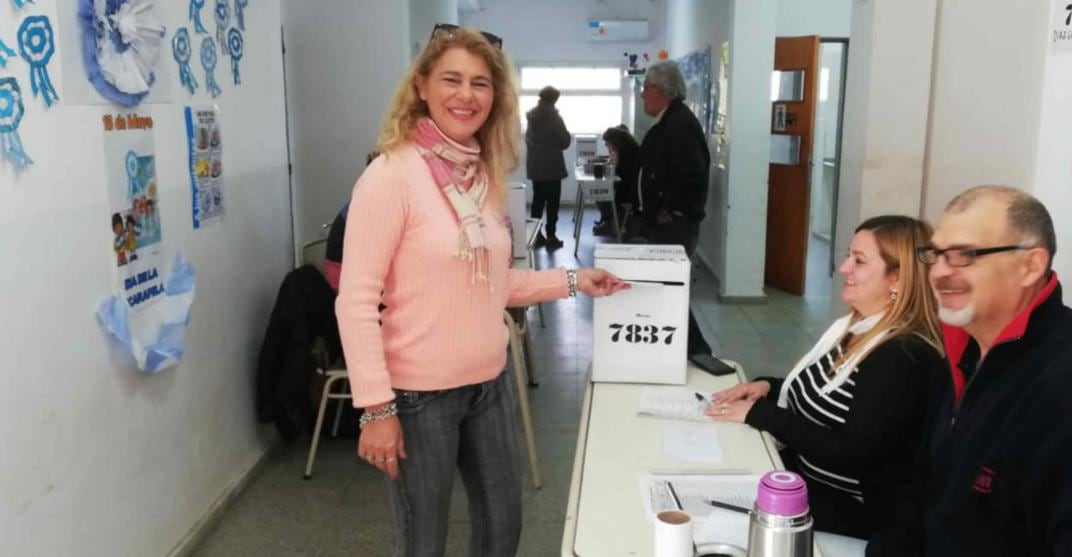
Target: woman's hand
743,391
597,282
735,411
381,445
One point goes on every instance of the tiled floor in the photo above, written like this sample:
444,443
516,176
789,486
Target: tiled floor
343,509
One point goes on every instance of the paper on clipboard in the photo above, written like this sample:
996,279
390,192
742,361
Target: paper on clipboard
713,525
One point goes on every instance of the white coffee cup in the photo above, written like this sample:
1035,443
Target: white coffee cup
673,534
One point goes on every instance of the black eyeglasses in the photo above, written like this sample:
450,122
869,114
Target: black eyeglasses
448,29
960,257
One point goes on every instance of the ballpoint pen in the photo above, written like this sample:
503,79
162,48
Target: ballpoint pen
728,506
701,398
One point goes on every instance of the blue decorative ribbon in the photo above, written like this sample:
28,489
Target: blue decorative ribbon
20,4
223,19
195,15
180,48
240,12
36,46
235,42
11,111
208,61
5,53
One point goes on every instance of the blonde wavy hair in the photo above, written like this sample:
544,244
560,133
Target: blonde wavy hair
914,311
498,136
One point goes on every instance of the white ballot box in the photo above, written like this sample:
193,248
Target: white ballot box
515,211
640,334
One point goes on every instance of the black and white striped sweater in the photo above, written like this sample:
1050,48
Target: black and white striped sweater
855,445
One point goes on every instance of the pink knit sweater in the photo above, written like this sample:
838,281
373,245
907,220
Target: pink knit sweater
440,329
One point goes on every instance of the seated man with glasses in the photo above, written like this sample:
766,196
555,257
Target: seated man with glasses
994,474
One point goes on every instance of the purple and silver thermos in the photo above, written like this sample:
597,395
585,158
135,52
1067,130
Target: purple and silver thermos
780,525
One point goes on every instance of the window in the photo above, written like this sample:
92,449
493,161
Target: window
591,99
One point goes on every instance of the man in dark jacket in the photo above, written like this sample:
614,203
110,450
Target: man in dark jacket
674,167
995,473
545,139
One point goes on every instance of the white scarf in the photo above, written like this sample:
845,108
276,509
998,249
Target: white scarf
826,343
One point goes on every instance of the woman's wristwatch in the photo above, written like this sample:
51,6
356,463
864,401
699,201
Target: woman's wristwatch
571,277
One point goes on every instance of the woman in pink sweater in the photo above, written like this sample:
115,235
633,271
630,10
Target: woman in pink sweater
427,237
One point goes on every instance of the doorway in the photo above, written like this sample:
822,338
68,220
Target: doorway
807,92
826,154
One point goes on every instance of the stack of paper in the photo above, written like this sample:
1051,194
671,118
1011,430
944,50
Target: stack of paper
671,402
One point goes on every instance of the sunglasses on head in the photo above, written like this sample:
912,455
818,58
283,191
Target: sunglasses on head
448,29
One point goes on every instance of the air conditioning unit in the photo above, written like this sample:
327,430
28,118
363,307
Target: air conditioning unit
617,30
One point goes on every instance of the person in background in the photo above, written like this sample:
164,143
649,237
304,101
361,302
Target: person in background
993,476
624,152
672,183
333,249
545,139
428,226
851,412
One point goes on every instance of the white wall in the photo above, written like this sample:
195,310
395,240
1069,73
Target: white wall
344,61
751,62
987,97
1053,173
555,32
423,15
826,18
887,97
99,459
691,25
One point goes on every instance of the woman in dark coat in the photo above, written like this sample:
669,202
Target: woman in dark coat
545,138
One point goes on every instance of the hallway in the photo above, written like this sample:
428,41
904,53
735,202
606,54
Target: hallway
343,510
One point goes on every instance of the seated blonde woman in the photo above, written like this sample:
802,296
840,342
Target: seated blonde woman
851,412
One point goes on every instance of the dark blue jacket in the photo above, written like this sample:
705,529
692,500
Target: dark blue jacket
996,478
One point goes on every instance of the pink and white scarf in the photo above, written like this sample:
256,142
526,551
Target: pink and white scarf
462,178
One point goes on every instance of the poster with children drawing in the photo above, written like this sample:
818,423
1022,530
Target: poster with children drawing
206,163
134,219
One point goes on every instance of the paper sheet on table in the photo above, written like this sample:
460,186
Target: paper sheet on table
695,443
722,526
671,402
834,545
713,525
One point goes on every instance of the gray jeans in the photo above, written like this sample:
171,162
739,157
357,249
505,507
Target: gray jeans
473,429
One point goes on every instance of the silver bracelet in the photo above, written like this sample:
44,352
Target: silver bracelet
367,418
571,277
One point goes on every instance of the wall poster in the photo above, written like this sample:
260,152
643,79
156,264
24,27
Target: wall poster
205,163
134,219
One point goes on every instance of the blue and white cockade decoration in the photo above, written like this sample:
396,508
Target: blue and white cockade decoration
181,49
240,12
5,53
134,188
121,43
20,4
208,61
195,15
235,45
37,46
223,19
11,111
